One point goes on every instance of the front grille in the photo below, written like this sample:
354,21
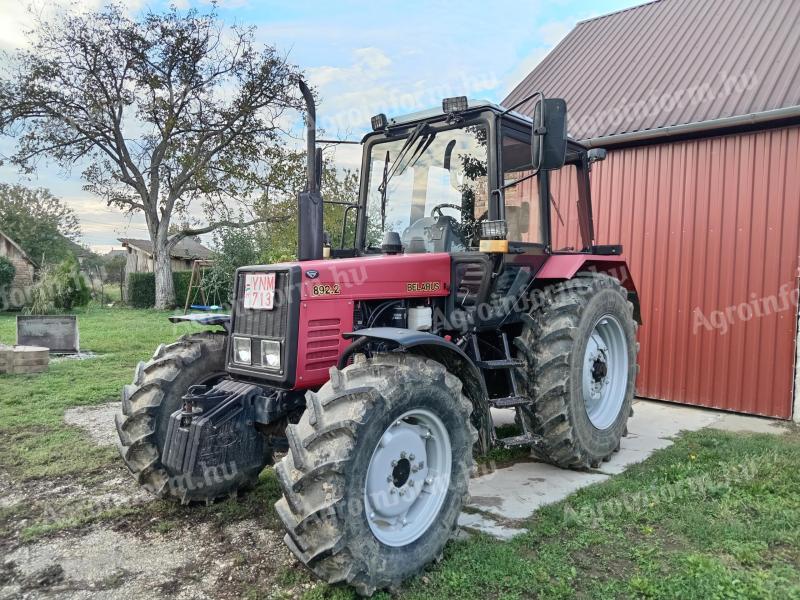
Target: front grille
279,323
271,324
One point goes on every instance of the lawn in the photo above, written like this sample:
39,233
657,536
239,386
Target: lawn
716,515
33,439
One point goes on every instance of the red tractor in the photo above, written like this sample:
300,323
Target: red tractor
374,366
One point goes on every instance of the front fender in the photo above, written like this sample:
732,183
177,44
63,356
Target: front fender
454,359
203,319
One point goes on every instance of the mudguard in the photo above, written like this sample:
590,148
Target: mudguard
452,357
203,319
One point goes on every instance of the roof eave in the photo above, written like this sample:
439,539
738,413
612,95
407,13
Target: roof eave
673,131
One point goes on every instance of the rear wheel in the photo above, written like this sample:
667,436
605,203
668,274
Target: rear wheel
377,471
580,354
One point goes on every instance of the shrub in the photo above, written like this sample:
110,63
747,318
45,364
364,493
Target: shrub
142,288
7,272
59,288
235,248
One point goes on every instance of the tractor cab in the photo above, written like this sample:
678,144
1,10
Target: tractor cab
469,177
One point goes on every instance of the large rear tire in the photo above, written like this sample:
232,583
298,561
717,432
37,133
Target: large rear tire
580,352
377,472
147,404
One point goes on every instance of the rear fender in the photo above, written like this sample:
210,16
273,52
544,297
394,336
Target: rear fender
562,267
454,360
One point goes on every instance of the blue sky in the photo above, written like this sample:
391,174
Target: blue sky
363,58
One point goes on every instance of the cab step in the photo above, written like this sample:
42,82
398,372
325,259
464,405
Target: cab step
499,364
509,402
526,439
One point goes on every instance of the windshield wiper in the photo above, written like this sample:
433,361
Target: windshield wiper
388,174
382,190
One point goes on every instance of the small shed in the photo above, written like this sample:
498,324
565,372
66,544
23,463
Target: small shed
140,257
26,269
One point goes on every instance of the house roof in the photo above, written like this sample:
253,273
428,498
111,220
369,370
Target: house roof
20,250
673,62
186,249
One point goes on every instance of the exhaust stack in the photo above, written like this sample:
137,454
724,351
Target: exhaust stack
309,201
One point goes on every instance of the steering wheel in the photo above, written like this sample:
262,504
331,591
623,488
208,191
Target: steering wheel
438,209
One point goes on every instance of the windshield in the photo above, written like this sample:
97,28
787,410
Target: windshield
436,189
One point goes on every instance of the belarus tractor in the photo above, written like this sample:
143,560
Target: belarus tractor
372,366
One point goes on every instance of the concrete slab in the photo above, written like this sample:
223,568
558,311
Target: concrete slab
516,492
749,424
486,524
503,498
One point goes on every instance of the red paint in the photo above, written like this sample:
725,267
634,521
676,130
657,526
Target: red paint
565,266
376,277
324,317
320,340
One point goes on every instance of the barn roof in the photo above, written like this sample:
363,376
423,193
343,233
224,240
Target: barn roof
19,249
671,63
186,249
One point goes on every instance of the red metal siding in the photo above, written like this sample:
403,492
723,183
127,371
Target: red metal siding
709,225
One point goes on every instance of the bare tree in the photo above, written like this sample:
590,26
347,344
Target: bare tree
166,109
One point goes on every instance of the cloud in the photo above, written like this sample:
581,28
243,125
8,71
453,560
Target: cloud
20,17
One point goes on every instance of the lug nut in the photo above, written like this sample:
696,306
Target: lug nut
410,457
403,454
392,491
410,483
394,463
429,481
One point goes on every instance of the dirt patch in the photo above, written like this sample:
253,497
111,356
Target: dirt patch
152,549
97,421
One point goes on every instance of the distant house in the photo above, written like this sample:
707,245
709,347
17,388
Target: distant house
140,257
26,269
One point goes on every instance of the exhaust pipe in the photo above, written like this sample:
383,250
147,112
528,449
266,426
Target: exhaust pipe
309,201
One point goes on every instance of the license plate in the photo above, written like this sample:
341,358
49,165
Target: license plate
259,291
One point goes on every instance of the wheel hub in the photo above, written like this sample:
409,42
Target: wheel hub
407,478
605,372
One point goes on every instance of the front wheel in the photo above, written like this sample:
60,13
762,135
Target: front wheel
377,471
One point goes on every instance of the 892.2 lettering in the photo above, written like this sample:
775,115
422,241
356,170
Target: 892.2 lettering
326,289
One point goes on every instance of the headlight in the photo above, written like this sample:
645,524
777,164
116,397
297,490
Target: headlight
241,350
271,354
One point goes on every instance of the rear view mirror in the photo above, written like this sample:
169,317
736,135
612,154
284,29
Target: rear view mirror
549,141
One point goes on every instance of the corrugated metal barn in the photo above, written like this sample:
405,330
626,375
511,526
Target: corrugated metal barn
698,104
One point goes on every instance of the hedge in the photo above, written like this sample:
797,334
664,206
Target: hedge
142,288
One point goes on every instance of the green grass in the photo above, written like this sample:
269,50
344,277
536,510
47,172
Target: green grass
716,515
34,442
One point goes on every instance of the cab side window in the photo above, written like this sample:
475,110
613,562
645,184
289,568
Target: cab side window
521,199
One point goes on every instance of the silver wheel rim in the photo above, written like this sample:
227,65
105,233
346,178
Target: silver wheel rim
605,372
408,478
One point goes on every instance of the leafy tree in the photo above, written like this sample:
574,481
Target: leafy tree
278,238
234,248
40,223
7,272
166,110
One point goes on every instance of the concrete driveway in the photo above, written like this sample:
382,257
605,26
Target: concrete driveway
503,498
